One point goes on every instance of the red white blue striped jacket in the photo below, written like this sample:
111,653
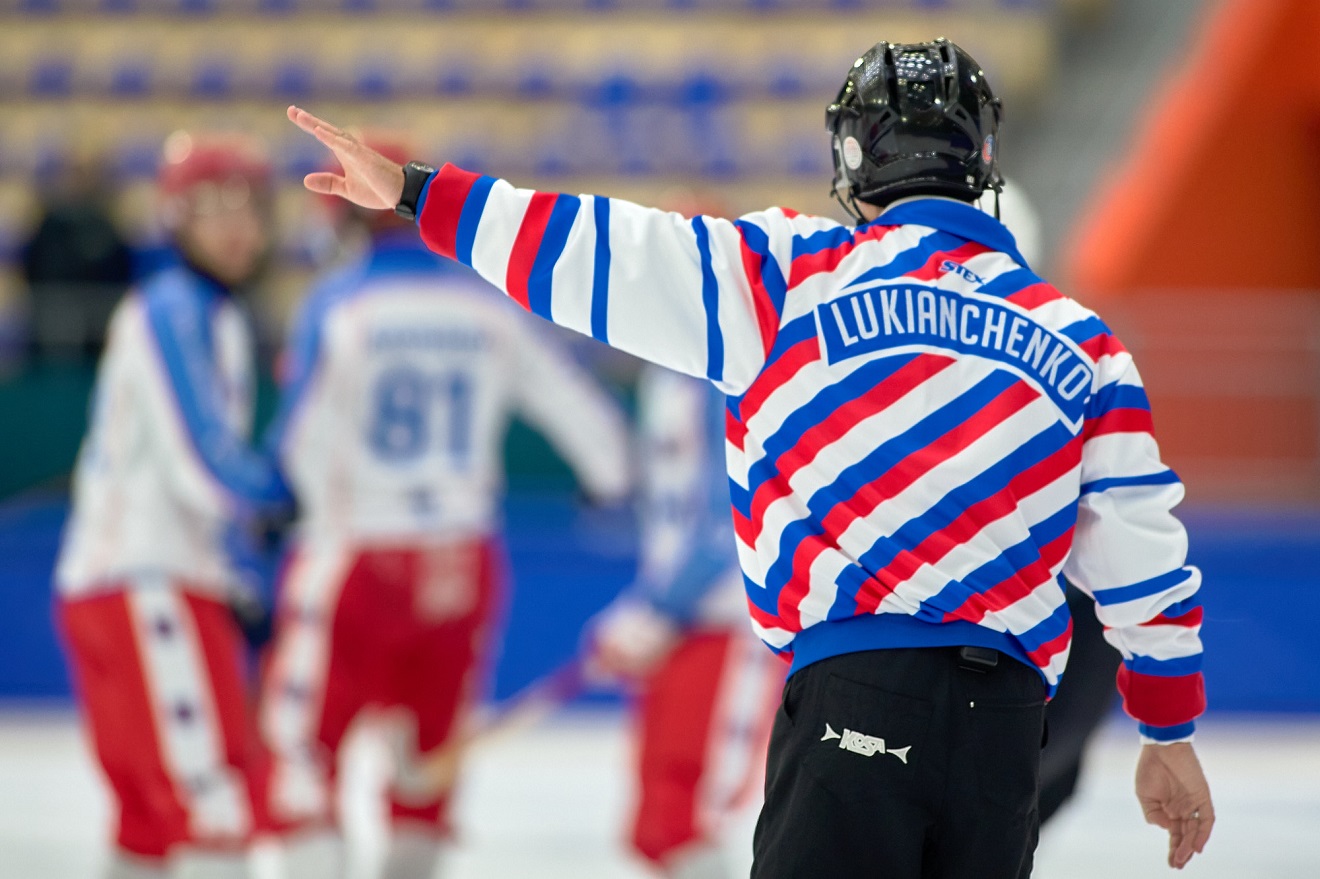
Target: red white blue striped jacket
924,438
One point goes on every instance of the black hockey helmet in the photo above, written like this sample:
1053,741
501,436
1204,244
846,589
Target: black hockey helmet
914,119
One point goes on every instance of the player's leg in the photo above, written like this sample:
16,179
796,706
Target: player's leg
315,684
703,716
454,594
222,650
101,637
180,772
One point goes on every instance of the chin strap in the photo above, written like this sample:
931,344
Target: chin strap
849,205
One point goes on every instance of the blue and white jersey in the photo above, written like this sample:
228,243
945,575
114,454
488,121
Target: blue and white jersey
166,468
401,376
688,568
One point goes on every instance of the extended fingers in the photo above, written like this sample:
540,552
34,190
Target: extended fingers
309,123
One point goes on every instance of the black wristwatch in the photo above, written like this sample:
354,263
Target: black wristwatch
415,175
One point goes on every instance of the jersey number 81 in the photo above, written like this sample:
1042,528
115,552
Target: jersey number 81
404,408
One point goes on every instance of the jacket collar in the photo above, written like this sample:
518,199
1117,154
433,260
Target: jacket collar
955,217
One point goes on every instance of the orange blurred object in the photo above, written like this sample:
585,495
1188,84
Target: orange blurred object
1204,251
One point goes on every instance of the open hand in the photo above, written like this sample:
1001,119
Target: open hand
1174,795
369,179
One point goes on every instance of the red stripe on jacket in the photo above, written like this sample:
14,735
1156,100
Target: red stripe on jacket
834,426
527,245
777,374
811,264
445,196
1120,421
767,318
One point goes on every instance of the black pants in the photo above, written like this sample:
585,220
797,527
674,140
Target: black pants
903,764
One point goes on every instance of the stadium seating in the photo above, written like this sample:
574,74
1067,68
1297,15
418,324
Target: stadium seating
625,96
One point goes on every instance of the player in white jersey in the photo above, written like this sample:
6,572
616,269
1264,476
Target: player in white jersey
706,690
402,375
163,479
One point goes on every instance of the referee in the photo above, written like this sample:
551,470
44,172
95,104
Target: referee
924,440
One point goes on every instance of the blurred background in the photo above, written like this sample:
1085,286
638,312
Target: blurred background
1168,148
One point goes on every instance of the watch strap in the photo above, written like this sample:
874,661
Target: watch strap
415,175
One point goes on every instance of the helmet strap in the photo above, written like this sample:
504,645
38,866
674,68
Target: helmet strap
849,205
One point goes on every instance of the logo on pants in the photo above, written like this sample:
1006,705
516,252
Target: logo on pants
860,743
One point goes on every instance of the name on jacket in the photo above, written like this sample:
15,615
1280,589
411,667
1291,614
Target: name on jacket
873,320
403,338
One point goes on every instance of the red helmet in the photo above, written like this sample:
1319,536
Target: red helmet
190,160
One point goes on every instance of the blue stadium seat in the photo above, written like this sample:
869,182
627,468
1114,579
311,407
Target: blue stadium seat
454,79
130,78
39,7
615,90
374,80
536,80
213,78
50,77
703,88
294,78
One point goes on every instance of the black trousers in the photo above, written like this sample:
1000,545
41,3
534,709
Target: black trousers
903,764
1085,697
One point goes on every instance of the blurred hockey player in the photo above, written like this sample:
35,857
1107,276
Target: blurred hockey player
164,478
402,374
706,689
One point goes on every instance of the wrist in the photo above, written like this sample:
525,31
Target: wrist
413,189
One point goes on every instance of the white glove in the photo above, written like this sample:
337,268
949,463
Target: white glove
629,639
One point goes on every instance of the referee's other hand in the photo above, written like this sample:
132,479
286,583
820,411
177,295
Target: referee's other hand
369,180
1174,795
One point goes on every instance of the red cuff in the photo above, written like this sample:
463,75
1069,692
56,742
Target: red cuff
1161,701
442,205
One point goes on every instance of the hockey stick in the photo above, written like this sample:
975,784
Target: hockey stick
421,776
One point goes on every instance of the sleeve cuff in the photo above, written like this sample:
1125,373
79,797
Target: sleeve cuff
440,213
1166,735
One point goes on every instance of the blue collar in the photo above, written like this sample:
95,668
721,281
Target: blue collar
956,218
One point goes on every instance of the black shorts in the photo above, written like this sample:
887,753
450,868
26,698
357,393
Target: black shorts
904,764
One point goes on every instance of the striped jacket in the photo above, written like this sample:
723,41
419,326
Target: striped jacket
923,437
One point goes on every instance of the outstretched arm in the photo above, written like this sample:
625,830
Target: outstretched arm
703,296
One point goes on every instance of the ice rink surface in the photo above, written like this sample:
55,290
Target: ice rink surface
552,803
